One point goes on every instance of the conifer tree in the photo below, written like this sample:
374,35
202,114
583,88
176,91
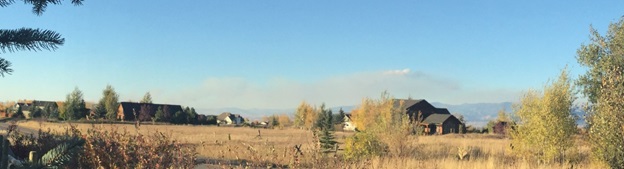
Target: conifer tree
326,126
160,114
147,98
339,117
29,39
74,106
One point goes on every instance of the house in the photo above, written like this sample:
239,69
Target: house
417,109
28,105
441,124
229,118
347,123
433,119
128,111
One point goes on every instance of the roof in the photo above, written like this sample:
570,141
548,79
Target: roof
128,107
406,102
442,111
346,118
437,118
28,103
223,115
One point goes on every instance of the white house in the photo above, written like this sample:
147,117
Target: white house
229,118
348,124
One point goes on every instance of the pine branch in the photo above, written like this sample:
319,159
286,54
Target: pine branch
4,3
39,6
5,67
62,154
29,39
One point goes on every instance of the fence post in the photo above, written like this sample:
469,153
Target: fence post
32,156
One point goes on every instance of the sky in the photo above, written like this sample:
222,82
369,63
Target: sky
275,54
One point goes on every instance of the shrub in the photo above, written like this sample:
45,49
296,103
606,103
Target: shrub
362,145
102,148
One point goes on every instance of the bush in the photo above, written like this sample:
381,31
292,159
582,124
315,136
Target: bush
362,145
115,149
102,148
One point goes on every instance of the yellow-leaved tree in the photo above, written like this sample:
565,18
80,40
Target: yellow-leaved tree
545,122
382,126
305,116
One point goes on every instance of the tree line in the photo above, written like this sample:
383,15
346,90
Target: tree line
74,108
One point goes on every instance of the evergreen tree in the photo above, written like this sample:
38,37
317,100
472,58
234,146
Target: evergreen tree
19,113
329,117
320,117
54,114
191,117
45,113
327,138
339,117
100,110
160,114
74,106
29,39
108,104
147,98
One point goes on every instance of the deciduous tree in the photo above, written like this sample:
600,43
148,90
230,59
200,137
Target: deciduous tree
603,85
545,122
305,116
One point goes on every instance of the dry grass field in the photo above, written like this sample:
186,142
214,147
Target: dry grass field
240,147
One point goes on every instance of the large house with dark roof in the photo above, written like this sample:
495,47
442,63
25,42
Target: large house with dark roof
27,105
128,111
434,120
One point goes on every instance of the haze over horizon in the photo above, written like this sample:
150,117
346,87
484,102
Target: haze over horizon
275,54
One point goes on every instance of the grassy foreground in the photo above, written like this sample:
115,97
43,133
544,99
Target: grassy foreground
242,147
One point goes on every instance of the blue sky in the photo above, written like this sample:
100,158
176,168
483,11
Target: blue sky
274,54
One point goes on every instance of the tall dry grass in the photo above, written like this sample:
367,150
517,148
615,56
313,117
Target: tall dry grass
239,147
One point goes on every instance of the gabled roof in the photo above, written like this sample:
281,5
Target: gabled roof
442,111
40,103
437,118
346,118
223,115
406,102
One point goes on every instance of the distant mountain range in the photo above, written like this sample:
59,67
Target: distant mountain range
476,114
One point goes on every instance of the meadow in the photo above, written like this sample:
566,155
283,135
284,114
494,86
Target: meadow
244,147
